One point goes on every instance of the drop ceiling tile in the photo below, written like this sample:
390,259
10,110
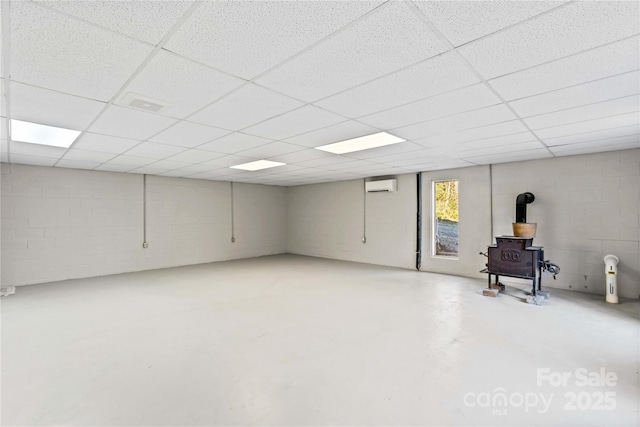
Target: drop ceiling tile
589,150
244,107
43,106
193,169
381,153
35,150
257,176
130,123
540,153
428,164
248,178
324,162
270,150
368,169
32,160
104,143
221,174
168,165
76,164
187,86
351,166
621,120
109,167
428,78
575,96
606,61
418,161
230,160
334,133
195,156
472,149
341,176
148,170
462,22
305,172
507,129
300,156
288,169
610,144
296,122
459,122
561,32
187,134
234,143
454,149
593,135
75,154
600,143
409,155
453,165
134,162
251,37
178,173
446,104
587,112
145,21
353,56
153,150
55,51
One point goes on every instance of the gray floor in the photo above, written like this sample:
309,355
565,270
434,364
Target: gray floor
290,340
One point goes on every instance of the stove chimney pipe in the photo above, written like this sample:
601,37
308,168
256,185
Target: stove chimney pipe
521,206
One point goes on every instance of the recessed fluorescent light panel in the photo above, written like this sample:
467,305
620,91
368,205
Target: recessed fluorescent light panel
361,143
34,133
258,165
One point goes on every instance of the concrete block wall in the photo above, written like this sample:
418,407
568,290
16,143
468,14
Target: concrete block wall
64,223
60,223
328,220
586,206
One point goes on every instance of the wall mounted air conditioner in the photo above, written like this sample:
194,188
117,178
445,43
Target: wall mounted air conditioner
383,185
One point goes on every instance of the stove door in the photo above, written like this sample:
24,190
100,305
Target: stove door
512,261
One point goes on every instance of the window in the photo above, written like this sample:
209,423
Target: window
445,218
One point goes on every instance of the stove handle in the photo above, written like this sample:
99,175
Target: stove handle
550,267
484,253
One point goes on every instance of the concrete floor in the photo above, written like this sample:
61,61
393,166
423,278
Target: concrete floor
291,340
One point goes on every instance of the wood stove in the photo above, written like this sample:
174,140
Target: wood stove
515,257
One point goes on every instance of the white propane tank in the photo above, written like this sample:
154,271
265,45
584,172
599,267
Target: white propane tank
611,273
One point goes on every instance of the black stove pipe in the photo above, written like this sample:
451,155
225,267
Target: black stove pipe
521,206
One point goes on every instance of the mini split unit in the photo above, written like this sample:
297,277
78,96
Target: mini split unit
382,185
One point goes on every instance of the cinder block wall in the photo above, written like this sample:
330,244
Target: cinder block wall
65,223
328,220
586,206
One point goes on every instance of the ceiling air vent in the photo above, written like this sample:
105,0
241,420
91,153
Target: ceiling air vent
142,102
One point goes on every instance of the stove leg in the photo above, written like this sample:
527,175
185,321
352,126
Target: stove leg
533,290
539,280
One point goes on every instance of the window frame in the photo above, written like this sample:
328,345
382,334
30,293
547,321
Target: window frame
434,221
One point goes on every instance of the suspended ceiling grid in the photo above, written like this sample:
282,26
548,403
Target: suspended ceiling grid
465,83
